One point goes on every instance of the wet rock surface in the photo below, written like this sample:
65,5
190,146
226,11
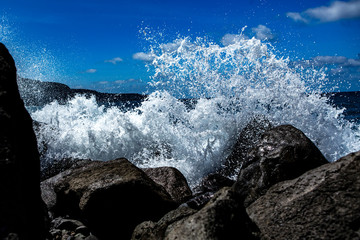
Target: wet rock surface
282,153
223,217
113,197
323,203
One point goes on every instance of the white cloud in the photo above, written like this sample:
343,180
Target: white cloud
263,33
338,10
103,82
353,62
175,45
114,60
131,80
91,70
229,39
320,60
336,60
120,81
338,70
297,17
147,57
339,61
169,47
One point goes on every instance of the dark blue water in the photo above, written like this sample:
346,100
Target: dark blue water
350,101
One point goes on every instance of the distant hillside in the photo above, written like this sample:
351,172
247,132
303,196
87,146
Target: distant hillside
38,93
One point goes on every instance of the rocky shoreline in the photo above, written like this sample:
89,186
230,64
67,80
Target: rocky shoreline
285,189
37,93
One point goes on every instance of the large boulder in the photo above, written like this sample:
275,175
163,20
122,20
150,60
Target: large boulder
22,211
172,180
111,197
282,153
223,217
323,203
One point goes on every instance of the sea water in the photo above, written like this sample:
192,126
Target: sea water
230,84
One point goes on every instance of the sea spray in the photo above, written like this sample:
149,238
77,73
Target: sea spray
34,59
249,79
161,132
230,84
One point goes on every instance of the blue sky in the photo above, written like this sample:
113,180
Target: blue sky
97,44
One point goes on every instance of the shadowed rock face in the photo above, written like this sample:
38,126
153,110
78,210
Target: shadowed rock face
21,208
323,203
207,188
282,153
111,197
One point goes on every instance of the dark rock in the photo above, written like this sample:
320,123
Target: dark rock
323,203
22,211
55,233
248,137
213,183
66,224
48,186
12,236
282,153
199,200
38,93
79,236
208,186
112,197
154,231
223,217
42,146
82,230
91,237
64,228
172,180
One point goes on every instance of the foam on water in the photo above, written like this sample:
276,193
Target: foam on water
232,83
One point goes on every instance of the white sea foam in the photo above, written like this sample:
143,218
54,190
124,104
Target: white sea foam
232,83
